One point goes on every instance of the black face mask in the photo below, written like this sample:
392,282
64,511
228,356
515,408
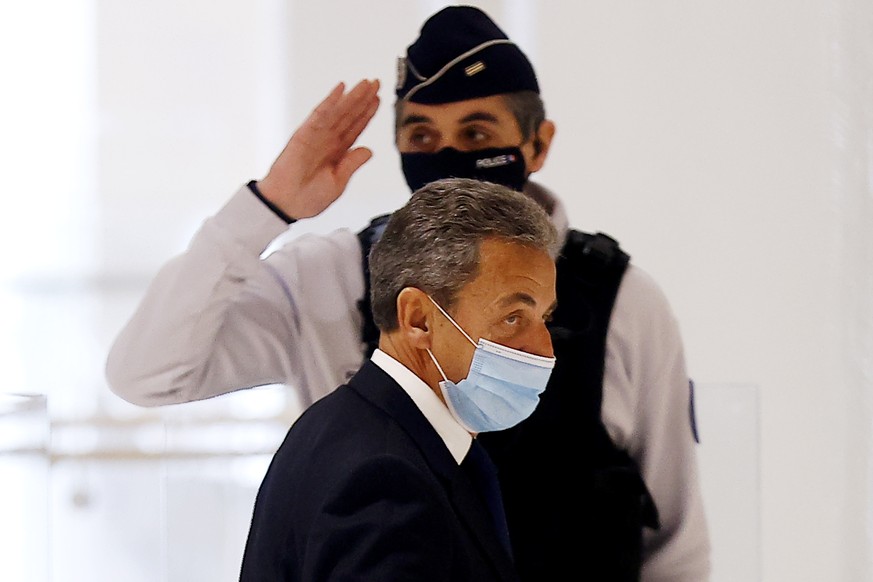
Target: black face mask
503,166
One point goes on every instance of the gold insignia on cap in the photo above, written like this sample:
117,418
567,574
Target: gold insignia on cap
476,67
401,72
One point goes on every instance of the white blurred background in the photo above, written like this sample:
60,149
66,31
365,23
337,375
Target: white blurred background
727,145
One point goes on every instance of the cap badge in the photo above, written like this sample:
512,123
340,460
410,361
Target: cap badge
401,72
476,67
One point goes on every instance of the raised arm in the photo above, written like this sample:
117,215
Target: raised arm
316,164
218,318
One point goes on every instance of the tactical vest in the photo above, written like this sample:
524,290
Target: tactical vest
575,503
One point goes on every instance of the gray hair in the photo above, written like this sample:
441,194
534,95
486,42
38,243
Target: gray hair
528,109
432,242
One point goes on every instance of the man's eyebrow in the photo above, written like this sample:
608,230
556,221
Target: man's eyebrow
475,116
479,116
525,298
410,119
518,297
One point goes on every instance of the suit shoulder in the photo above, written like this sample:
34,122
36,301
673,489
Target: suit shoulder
336,423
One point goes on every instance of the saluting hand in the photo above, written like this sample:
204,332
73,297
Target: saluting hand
318,161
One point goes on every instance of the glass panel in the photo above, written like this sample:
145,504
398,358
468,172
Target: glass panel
728,421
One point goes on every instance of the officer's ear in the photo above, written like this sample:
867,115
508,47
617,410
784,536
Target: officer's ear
414,317
540,144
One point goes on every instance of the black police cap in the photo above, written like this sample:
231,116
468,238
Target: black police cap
461,54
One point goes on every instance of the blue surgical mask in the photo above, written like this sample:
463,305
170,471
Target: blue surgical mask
502,388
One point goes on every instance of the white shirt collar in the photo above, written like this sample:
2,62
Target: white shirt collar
456,438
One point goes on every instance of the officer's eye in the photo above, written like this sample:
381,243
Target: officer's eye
475,135
422,139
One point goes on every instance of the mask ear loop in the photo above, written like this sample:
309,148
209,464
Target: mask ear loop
437,364
449,317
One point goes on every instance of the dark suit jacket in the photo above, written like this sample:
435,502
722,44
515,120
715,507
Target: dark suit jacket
363,488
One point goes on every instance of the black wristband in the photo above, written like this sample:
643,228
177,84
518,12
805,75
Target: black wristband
253,186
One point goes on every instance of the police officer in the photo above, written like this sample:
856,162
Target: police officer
617,495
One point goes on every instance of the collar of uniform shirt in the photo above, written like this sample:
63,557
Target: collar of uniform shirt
456,437
553,206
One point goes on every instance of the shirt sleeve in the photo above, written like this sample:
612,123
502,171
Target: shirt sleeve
219,318
646,411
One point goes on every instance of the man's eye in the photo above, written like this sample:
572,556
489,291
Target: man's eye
475,135
513,320
421,140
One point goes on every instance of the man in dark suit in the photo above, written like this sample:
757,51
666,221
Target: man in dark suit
383,479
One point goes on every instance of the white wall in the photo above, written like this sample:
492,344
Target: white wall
727,145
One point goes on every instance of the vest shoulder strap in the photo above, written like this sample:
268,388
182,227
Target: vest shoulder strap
590,268
592,256
368,237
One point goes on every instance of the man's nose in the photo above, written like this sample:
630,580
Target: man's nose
540,342
446,142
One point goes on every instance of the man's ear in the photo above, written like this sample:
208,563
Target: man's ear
414,317
541,143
